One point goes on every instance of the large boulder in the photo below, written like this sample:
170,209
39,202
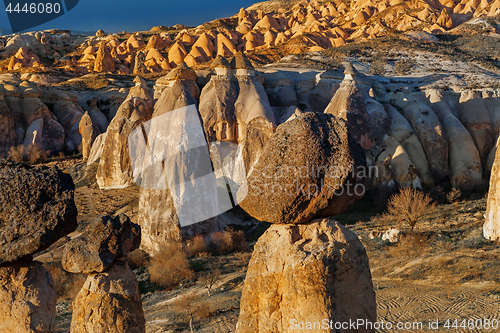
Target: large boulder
307,273
27,298
309,167
103,241
88,134
36,209
109,302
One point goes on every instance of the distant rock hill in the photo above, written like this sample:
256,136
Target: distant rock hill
272,29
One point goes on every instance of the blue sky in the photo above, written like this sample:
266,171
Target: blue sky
114,16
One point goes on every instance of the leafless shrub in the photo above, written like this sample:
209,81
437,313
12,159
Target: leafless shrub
190,305
454,195
170,266
211,277
408,206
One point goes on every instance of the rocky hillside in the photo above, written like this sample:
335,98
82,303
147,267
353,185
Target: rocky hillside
266,32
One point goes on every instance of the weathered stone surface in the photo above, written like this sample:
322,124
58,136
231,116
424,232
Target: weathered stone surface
308,168
114,167
306,272
491,227
88,135
36,209
27,298
103,241
8,136
104,62
97,148
109,302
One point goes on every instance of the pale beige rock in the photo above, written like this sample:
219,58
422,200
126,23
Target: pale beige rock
401,130
491,227
104,62
392,235
306,272
109,302
465,162
97,148
88,135
114,167
430,132
27,298
474,116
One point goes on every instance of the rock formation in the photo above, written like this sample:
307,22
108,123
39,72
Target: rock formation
491,227
103,241
88,135
306,273
37,209
27,298
312,157
109,301
114,167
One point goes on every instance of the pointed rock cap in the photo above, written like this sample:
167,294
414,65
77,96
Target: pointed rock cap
220,61
182,72
349,69
240,61
139,81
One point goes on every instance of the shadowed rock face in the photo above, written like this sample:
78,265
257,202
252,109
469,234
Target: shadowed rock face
36,209
307,272
305,170
102,242
27,298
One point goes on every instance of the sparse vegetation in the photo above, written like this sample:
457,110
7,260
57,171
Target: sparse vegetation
137,258
408,206
170,266
210,278
454,195
32,154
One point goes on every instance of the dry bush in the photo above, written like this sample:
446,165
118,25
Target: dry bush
228,241
196,246
170,266
35,154
67,284
454,195
137,258
16,154
410,245
191,306
408,206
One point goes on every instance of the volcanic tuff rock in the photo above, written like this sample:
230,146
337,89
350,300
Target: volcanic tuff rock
27,298
306,272
109,302
491,227
114,167
36,209
103,241
308,168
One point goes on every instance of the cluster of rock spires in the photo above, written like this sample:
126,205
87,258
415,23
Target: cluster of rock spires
37,209
303,268
307,26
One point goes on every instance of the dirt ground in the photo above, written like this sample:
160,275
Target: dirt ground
448,271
